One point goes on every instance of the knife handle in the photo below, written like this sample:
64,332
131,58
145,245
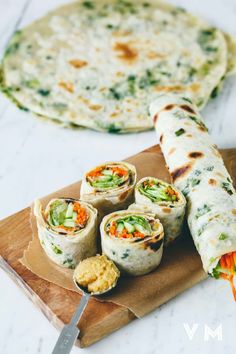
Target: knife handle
70,332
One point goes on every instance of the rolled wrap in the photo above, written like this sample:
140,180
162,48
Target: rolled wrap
66,245
109,192
134,249
165,201
197,169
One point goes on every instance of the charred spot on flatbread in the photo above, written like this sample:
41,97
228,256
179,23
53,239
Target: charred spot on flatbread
212,182
154,244
171,151
180,171
125,52
169,107
185,107
155,118
195,155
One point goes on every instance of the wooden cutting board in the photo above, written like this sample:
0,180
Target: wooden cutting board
58,304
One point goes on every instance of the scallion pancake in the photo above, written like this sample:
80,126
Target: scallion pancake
100,64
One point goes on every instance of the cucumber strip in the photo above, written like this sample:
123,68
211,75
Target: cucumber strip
103,184
69,212
120,227
154,193
54,221
104,178
69,223
129,227
141,229
107,172
74,217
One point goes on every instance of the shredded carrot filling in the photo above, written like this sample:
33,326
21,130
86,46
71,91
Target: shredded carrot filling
95,173
113,228
82,215
116,170
66,228
228,263
119,171
170,191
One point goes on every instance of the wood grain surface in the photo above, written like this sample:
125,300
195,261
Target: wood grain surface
58,304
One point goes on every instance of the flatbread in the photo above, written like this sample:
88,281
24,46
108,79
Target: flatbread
198,170
100,64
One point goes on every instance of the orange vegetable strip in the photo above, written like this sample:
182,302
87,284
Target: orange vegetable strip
228,262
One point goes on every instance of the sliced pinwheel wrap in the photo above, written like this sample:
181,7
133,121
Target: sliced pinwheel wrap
67,230
165,201
198,170
133,240
109,187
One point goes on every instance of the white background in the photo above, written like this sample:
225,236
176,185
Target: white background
37,158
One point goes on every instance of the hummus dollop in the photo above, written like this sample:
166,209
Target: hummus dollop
96,274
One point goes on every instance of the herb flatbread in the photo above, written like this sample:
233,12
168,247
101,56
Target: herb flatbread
100,64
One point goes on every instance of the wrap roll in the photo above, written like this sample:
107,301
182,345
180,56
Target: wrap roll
165,201
133,241
67,230
109,186
197,169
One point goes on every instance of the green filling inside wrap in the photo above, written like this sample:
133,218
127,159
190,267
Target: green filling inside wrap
158,191
57,213
134,223
131,226
62,213
108,177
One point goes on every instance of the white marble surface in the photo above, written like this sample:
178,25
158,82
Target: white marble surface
37,158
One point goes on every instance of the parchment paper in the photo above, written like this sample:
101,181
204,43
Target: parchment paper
180,267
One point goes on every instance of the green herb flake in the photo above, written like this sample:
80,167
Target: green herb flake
202,211
114,93
227,187
216,271
209,168
179,132
56,249
148,79
195,182
131,84
43,92
205,38
113,129
198,122
32,84
187,99
197,172
109,26
88,5
69,263
123,7
23,108
202,229
212,259
125,254
223,236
